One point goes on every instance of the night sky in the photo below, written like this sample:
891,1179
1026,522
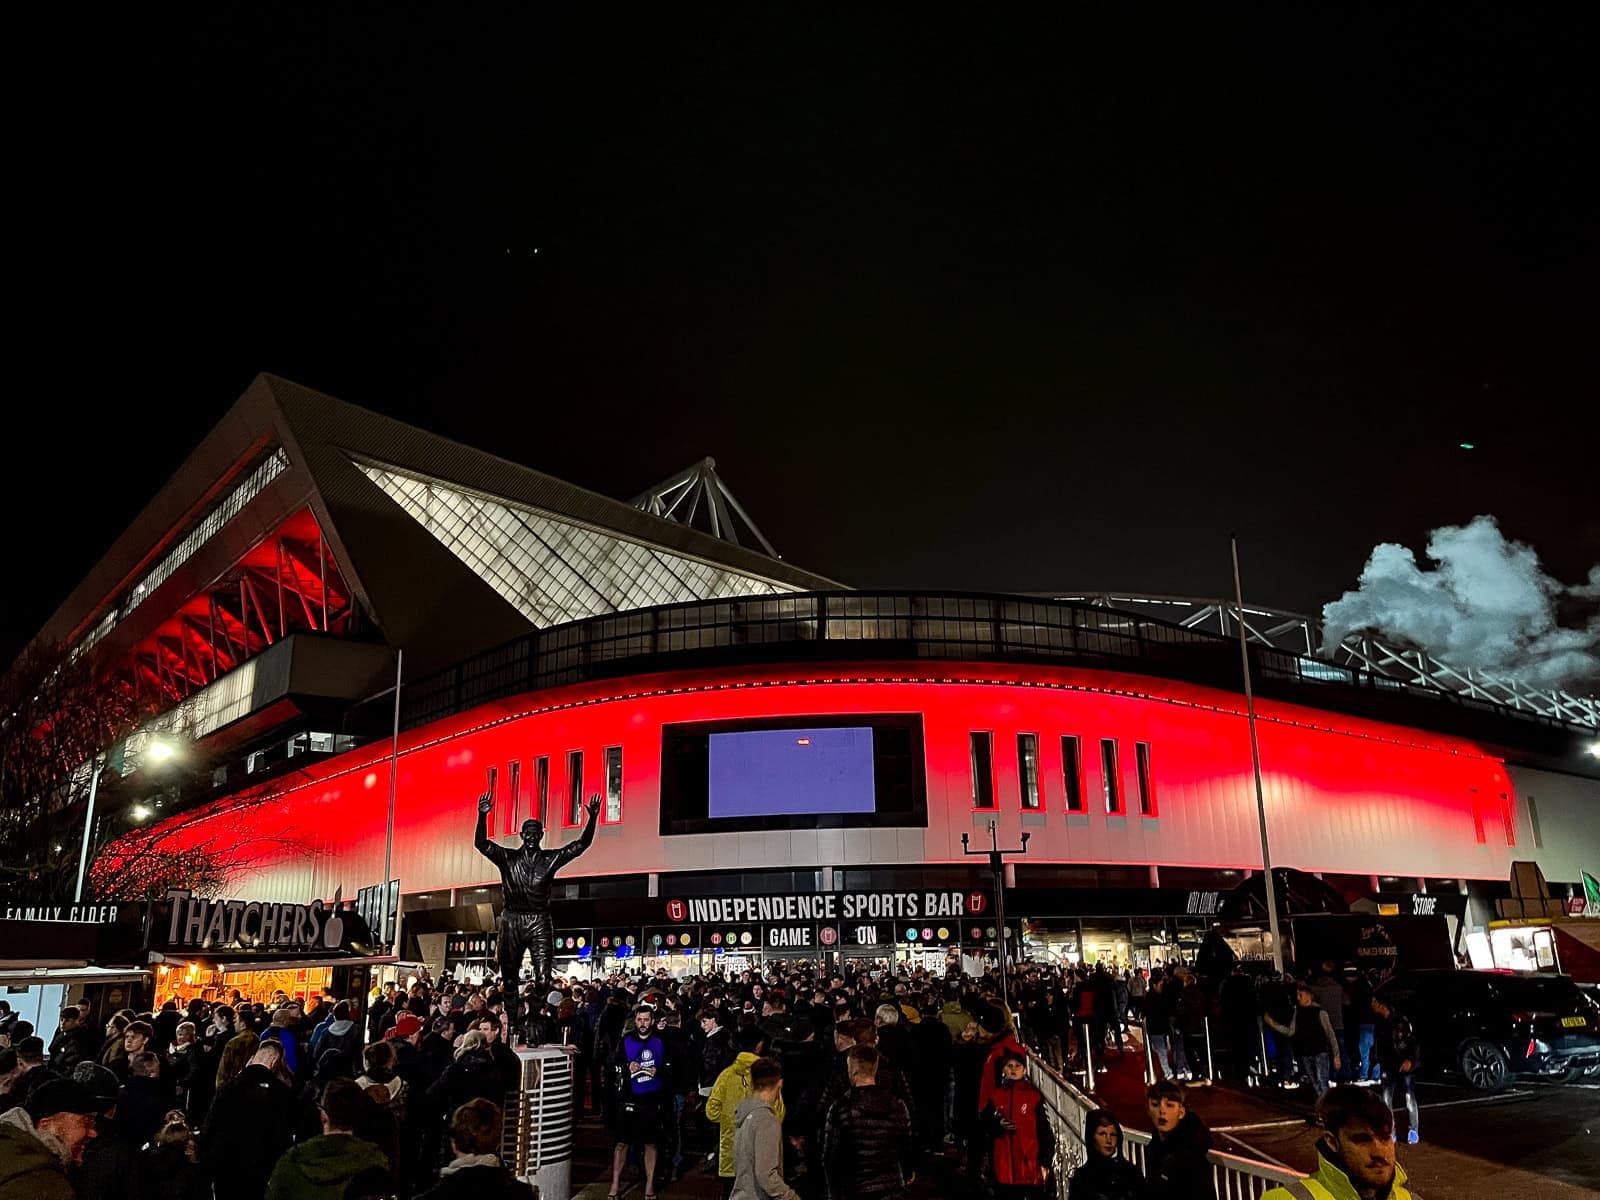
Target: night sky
993,304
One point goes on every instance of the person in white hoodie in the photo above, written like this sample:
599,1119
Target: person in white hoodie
758,1138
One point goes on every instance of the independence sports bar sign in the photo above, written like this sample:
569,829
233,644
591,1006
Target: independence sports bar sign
825,908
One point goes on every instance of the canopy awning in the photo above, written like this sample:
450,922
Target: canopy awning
25,976
301,964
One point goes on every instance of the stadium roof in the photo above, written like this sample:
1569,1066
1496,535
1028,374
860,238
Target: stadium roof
433,545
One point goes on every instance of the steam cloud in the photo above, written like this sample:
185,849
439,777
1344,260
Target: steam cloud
1486,604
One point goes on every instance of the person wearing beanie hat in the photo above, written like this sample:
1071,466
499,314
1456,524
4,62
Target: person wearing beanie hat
406,1026
109,1162
42,1138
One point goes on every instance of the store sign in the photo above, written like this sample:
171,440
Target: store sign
370,903
1424,905
1203,904
66,914
194,923
824,907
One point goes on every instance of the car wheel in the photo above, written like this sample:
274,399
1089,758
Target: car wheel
1573,1074
1592,1072
1485,1066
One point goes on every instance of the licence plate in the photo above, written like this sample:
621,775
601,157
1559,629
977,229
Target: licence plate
1574,1022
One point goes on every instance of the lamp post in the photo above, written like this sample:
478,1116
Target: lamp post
997,866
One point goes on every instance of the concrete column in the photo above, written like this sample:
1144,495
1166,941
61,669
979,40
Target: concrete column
1155,879
652,885
1011,875
827,879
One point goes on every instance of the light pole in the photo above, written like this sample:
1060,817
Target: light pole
1255,762
997,866
394,774
88,826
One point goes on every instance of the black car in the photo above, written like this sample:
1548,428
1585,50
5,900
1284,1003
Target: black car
1490,1026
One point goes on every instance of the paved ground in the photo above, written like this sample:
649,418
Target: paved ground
1536,1141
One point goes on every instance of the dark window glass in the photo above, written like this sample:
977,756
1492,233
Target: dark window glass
574,787
613,783
514,809
1147,795
1028,768
1111,782
1072,768
982,771
541,788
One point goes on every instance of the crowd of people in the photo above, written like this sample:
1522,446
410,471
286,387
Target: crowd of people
1309,1032
787,1083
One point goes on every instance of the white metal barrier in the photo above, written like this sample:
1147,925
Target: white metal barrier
1234,1177
539,1120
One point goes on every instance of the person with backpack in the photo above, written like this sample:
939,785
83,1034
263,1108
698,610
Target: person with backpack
1399,1055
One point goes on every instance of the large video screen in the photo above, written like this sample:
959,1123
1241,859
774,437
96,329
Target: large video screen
790,772
793,773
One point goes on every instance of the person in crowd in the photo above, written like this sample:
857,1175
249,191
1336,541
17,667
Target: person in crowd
1022,1144
142,1101
758,1138
1105,1174
867,1138
338,1031
476,1173
505,1058
472,1075
187,1059
1399,1055
41,1140
640,1069
321,1167
169,1168
110,1164
1355,1151
284,1031
250,1124
32,1073
74,1042
1360,1026
1166,1043
1175,1162
138,1037
378,1074
164,1026
717,1050
1328,989
928,1073
1310,1032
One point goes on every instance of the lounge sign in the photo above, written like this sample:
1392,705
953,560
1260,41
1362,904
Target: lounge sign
195,923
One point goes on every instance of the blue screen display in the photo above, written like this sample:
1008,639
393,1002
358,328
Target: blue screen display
789,772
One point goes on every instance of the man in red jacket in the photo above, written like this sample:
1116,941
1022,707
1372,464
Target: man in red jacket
1024,1147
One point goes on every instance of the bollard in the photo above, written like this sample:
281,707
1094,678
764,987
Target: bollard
1211,1072
1088,1060
1266,1066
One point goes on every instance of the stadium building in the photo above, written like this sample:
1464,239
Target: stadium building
787,766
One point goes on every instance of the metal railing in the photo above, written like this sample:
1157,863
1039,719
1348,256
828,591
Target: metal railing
1066,1107
883,626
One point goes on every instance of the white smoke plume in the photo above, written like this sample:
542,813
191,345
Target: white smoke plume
1485,603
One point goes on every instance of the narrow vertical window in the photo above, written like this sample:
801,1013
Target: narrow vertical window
1072,770
514,809
1110,782
1028,769
540,804
1477,818
574,787
613,783
1147,795
1533,823
1508,817
982,771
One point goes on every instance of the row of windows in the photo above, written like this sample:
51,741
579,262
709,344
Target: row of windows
981,749
538,798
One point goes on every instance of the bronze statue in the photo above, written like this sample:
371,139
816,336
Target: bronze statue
526,873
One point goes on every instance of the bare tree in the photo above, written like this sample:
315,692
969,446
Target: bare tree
59,713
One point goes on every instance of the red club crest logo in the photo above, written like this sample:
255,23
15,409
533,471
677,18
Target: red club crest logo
976,903
828,935
677,910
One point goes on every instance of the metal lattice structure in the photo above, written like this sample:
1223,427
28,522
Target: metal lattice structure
1300,634
698,492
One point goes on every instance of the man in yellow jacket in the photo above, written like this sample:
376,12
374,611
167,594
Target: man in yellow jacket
733,1086
1355,1154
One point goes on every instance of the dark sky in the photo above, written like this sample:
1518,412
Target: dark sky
992,304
